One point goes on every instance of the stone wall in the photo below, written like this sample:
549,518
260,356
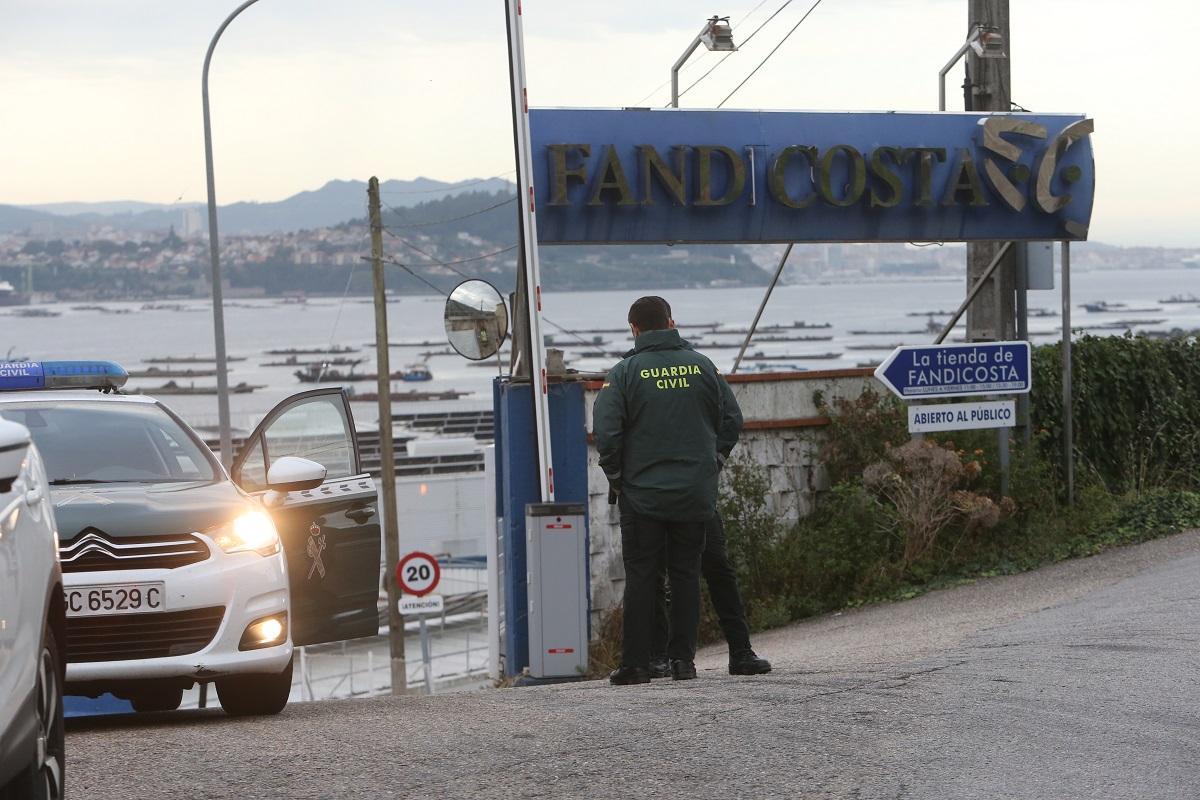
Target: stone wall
783,426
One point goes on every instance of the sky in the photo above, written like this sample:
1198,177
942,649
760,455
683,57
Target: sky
100,99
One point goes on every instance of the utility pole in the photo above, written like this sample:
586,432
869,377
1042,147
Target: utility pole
992,316
387,458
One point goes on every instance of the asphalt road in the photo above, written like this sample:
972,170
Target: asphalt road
1076,681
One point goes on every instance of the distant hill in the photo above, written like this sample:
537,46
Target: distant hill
335,202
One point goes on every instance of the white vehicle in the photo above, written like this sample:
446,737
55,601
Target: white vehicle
32,620
176,574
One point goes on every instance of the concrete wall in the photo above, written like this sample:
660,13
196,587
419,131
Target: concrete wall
783,426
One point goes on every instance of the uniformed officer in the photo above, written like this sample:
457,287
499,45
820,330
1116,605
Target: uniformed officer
723,591
657,422
717,572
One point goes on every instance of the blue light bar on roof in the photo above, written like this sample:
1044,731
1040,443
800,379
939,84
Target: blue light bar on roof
25,375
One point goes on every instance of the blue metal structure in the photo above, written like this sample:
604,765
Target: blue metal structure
517,484
665,176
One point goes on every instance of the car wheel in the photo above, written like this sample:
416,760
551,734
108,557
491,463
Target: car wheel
253,695
157,700
42,779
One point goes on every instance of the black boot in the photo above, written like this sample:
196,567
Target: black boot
683,670
660,667
747,662
627,676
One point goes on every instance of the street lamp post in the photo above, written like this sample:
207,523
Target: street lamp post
715,35
215,255
987,42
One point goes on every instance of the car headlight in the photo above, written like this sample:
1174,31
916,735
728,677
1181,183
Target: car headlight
253,530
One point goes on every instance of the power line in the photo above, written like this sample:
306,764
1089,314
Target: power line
395,210
667,82
764,61
462,274
704,55
745,42
437,263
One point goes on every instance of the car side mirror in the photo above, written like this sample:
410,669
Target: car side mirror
14,441
292,474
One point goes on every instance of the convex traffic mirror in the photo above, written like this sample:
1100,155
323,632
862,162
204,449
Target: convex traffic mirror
476,319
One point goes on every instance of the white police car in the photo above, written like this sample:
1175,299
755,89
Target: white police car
174,572
31,626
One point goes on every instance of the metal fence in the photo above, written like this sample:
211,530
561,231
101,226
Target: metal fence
458,645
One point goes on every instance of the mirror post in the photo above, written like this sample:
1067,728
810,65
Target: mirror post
387,458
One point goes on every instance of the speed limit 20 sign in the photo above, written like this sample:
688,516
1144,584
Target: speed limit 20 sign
418,574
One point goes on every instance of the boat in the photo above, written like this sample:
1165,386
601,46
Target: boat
169,306
9,296
158,372
1042,312
1179,298
762,367
1103,307
294,361
171,387
188,359
1120,325
312,351
889,333
930,313
37,313
412,395
793,356
416,372
321,373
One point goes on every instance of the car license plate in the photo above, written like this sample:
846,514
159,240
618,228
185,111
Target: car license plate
115,598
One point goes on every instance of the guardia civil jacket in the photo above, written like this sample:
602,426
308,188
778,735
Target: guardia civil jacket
664,421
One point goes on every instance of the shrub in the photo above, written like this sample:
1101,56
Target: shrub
1137,417
919,485
860,432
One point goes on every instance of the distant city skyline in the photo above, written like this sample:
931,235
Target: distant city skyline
102,100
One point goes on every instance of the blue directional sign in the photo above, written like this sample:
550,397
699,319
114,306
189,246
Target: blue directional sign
666,175
956,370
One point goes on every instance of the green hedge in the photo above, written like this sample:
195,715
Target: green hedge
1137,409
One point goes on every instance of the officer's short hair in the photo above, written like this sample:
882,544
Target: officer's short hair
650,313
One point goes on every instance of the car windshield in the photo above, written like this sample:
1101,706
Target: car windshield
111,442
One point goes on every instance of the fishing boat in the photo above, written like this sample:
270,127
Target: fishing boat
412,395
171,387
1179,298
416,372
793,356
189,359
322,373
888,333
311,351
1103,307
158,372
294,361
9,296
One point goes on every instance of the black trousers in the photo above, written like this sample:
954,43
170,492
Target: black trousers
722,589
648,546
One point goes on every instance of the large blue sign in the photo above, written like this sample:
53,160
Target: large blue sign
954,370
642,175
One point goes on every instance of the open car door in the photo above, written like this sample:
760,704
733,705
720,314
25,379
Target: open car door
330,534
